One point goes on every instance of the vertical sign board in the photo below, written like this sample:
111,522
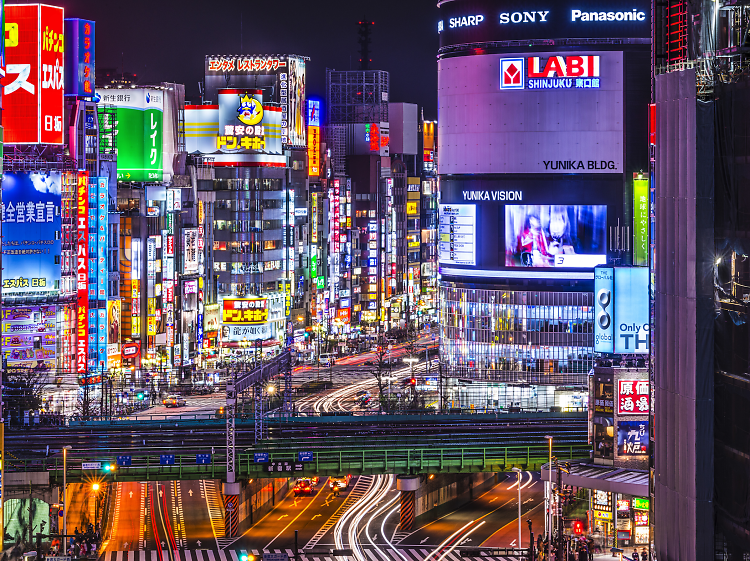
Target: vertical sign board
80,59
604,287
82,257
314,218
139,129
34,81
313,137
641,218
631,307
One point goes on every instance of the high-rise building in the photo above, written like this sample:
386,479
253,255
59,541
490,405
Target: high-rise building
542,125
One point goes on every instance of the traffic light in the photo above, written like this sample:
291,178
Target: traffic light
109,468
578,527
140,396
413,381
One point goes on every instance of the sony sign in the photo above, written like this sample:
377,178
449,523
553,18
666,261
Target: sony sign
523,17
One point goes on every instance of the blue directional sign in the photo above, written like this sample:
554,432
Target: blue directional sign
124,460
261,457
305,456
203,458
166,460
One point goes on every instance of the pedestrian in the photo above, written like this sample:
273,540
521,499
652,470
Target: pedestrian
636,557
644,554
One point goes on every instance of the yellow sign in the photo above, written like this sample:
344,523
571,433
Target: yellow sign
602,515
244,311
313,150
250,110
411,207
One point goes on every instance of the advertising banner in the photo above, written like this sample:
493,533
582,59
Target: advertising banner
622,324
82,258
80,60
641,219
632,438
29,337
139,130
114,314
313,151
604,330
487,20
31,221
246,125
246,332
285,76
547,113
633,397
33,86
555,236
457,234
244,311
190,250
631,307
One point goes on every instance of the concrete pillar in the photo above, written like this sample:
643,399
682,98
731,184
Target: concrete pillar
231,495
408,485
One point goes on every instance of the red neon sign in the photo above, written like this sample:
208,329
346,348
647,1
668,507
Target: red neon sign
82,274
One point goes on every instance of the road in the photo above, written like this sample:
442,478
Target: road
165,523
165,518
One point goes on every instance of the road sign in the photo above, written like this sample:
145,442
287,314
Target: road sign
260,457
203,458
275,557
124,460
166,460
65,558
282,467
305,456
91,465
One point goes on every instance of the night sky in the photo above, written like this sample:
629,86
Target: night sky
166,40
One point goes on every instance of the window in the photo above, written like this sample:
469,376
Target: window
271,244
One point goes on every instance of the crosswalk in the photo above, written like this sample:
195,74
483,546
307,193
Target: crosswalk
371,553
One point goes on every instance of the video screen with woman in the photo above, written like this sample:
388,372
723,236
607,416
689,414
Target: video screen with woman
555,235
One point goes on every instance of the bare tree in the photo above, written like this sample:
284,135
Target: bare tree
382,371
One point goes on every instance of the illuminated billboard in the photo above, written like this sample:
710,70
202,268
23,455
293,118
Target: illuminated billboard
622,300
114,314
313,151
555,236
33,86
31,233
526,227
547,113
478,21
282,80
245,125
641,219
29,337
139,132
245,311
632,438
80,61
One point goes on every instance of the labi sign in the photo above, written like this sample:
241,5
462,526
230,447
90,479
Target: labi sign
621,322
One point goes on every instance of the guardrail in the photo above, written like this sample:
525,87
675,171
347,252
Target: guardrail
257,463
305,416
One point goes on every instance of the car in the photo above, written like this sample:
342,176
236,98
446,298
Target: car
327,360
174,401
303,487
315,480
340,482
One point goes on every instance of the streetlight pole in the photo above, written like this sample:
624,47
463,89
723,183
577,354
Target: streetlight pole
518,478
549,501
64,497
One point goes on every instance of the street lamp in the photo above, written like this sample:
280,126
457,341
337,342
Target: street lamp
549,516
95,489
65,500
518,478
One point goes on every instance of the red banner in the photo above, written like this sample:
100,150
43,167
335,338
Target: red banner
82,274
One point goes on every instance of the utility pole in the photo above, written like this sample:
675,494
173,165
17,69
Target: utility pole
231,403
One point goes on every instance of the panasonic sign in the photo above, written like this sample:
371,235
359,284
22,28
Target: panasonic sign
635,15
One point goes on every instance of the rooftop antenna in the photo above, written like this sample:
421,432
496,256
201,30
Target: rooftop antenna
364,43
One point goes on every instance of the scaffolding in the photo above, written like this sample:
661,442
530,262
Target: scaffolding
357,96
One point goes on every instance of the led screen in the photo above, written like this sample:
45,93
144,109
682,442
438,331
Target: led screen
555,235
526,227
